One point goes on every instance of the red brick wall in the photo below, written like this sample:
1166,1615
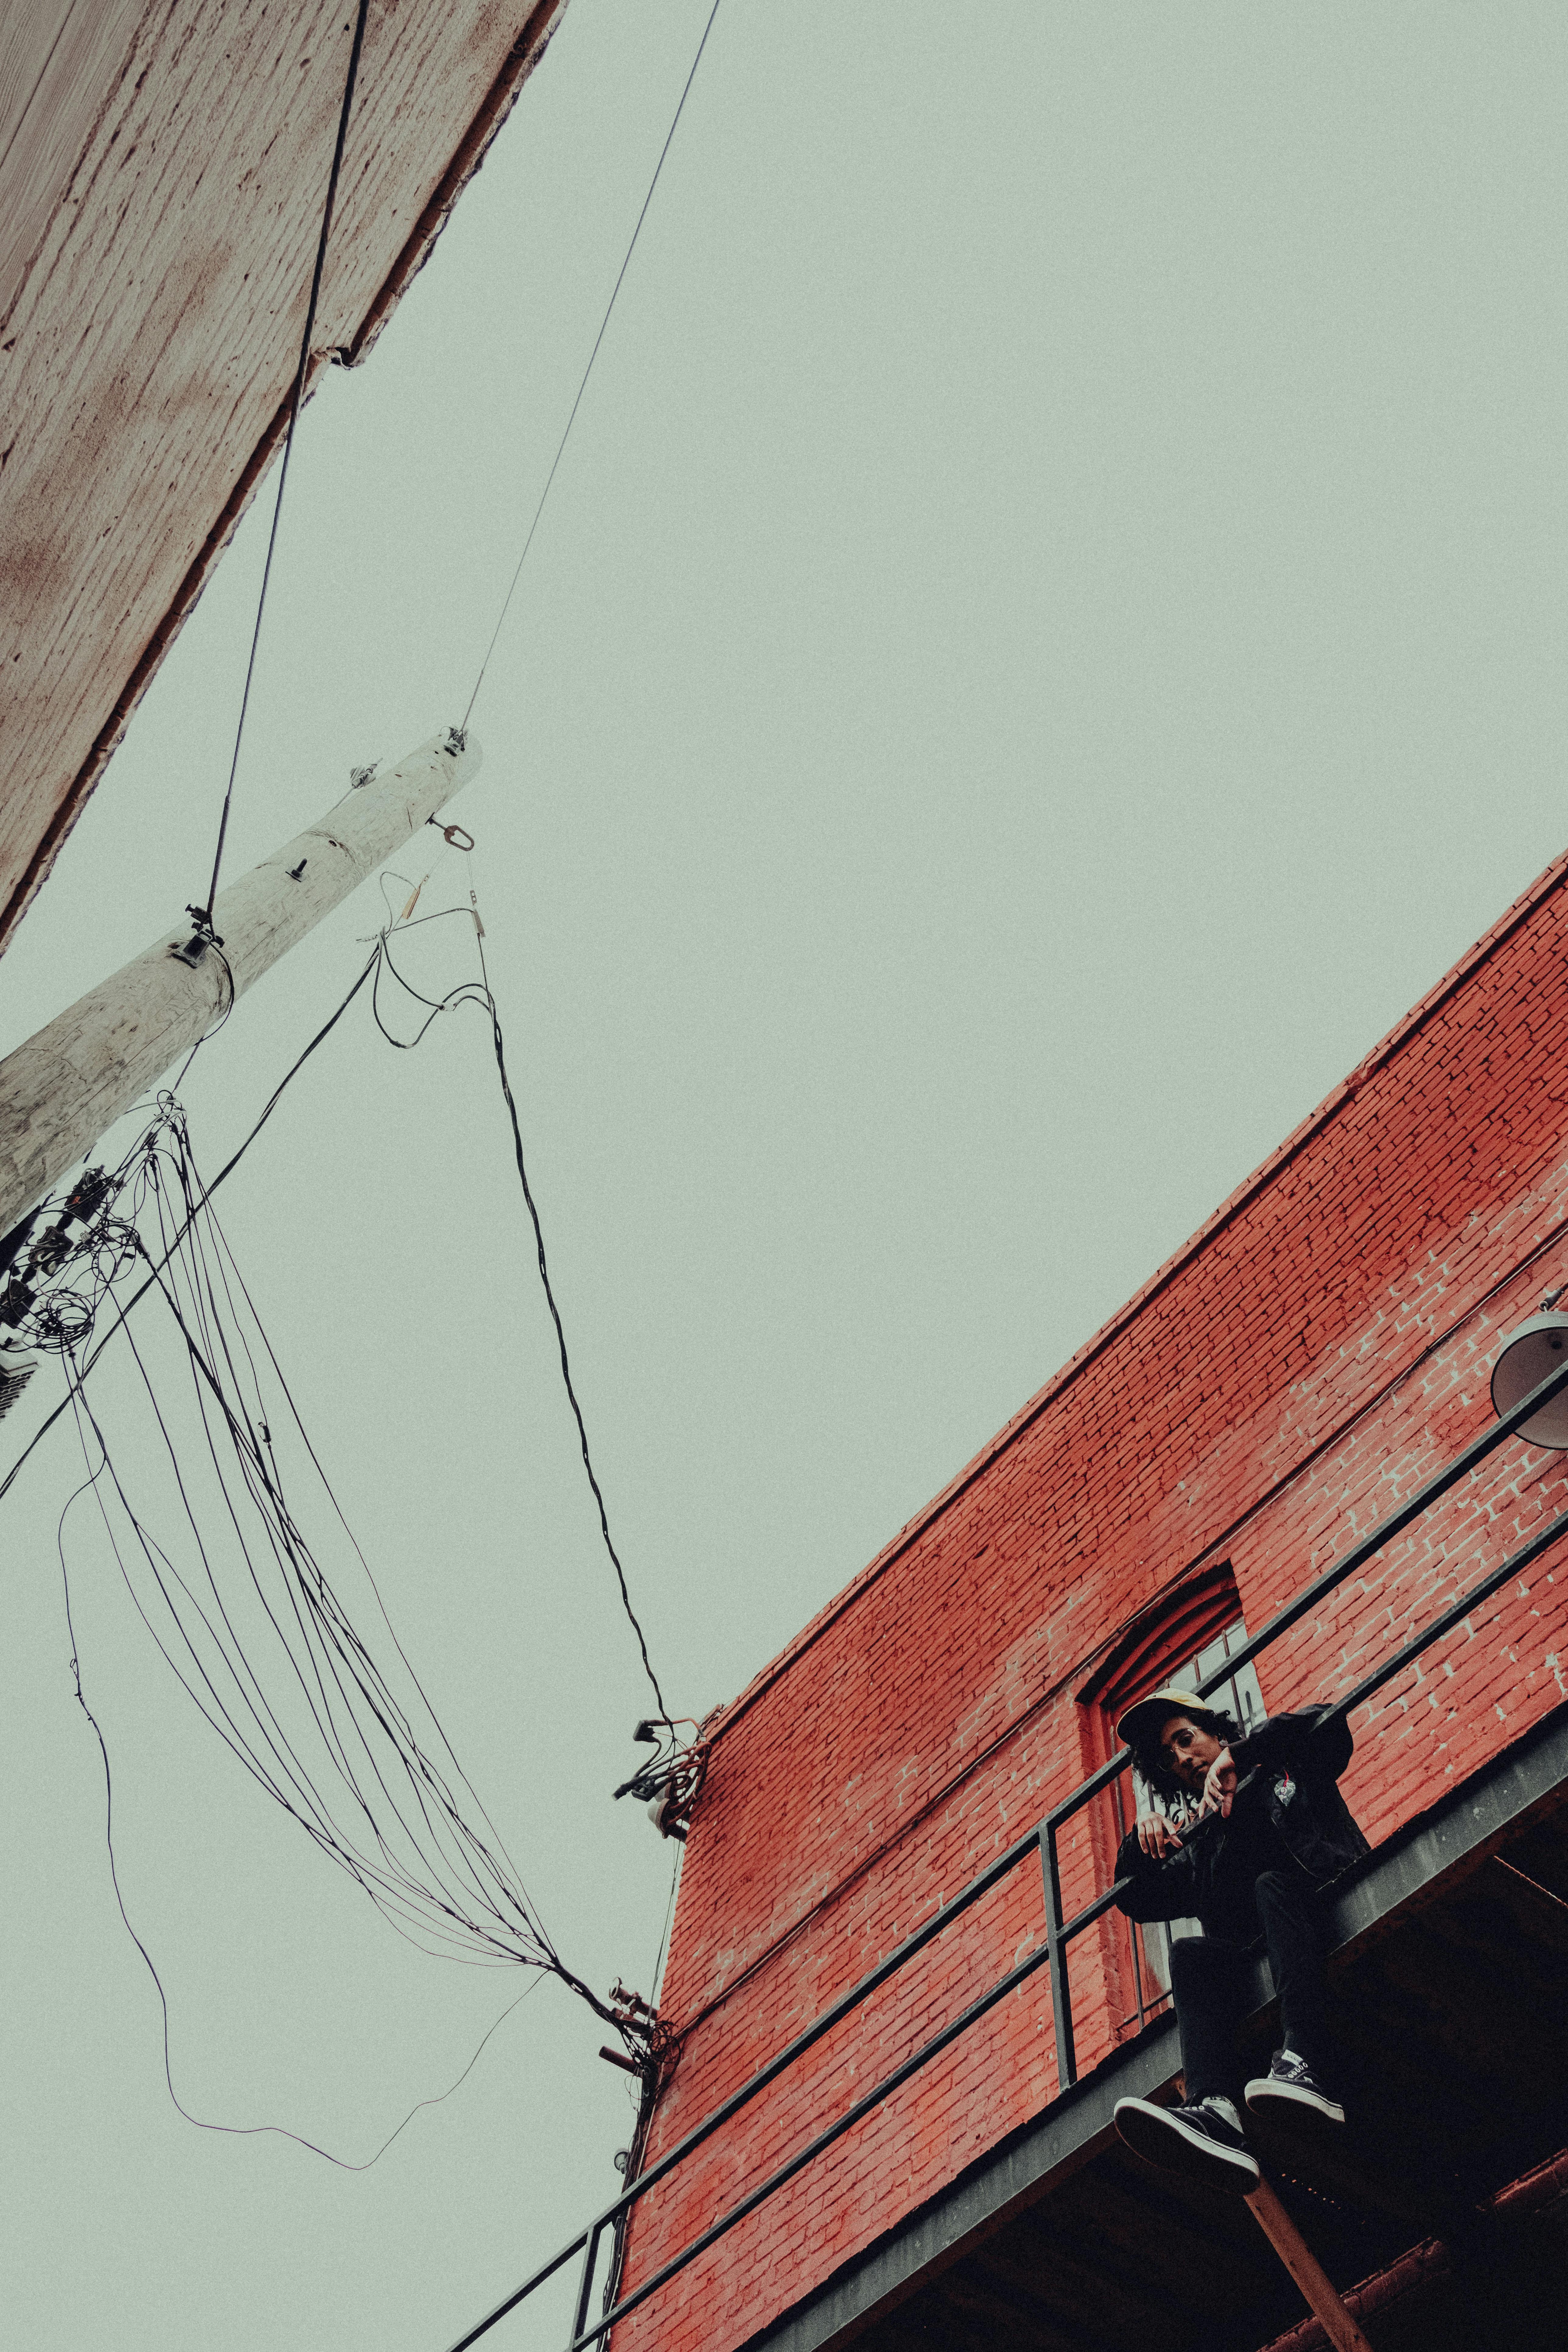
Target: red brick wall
1317,1348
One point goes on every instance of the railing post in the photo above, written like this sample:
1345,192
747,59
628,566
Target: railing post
585,2286
1059,1931
1061,1991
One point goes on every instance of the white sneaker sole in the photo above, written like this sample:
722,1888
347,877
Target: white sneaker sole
1163,2138
1267,2091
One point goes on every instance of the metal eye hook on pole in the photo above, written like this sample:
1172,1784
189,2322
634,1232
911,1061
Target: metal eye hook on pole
456,836
67,1084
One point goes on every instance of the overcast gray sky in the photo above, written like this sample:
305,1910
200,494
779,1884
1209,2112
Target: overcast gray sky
1046,639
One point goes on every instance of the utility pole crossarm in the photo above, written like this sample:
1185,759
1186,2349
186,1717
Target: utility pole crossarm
67,1084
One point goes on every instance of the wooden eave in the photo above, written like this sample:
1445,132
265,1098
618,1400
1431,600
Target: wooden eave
162,165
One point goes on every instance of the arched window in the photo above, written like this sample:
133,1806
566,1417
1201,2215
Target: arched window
1183,1636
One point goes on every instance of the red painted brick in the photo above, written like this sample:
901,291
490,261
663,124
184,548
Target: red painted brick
1321,1346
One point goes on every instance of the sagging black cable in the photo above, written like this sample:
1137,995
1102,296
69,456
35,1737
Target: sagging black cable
426,1895
467,993
331,1629
484,997
500,1043
122,1308
202,2123
337,1632
463,1879
333,1646
304,1437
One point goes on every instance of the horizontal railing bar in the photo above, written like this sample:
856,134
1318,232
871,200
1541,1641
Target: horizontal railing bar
1394,1524
1091,1912
1397,1520
830,2017
521,2294
1045,1834
1455,1615
846,2122
1100,1779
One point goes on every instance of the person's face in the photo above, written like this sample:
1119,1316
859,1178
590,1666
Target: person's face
1187,1750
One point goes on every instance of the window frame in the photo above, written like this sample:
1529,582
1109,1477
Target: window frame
1173,1640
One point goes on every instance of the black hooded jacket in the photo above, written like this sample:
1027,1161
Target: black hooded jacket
1286,1798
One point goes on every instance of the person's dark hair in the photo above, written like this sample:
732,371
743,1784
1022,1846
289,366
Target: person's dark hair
1150,1760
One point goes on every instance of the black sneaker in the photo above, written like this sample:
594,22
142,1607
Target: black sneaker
1291,2084
1199,2141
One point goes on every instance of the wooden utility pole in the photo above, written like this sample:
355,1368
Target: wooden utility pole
67,1084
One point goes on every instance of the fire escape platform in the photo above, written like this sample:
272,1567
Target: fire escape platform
1448,1970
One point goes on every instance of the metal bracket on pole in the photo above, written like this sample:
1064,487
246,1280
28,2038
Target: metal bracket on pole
62,1090
201,938
1322,2293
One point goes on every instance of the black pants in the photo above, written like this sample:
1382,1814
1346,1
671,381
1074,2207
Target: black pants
1209,1982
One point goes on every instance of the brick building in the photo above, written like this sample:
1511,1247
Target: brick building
1321,1346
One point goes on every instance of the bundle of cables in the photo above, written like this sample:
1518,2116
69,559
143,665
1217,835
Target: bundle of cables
231,1590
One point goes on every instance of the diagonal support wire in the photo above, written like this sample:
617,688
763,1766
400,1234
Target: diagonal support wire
301,374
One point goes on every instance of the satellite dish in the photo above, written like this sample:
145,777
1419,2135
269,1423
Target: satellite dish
1528,1354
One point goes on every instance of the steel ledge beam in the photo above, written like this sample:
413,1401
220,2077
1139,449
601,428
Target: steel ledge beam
1421,1860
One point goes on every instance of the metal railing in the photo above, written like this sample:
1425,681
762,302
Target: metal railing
1060,1933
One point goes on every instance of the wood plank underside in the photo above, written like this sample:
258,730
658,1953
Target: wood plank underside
161,174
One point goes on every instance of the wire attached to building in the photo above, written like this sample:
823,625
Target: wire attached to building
479,994
587,371
300,376
251,1625
500,1045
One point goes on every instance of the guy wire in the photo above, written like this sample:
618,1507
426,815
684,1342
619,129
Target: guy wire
581,388
300,374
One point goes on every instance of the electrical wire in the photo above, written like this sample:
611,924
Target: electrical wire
467,992
561,1341
587,371
414,1837
202,2123
123,1308
308,1714
481,994
301,374
656,1982
408,1837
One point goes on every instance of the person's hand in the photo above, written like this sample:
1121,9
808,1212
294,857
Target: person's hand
1219,1788
1158,1836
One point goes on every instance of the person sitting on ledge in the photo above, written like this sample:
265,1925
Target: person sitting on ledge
1262,1829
